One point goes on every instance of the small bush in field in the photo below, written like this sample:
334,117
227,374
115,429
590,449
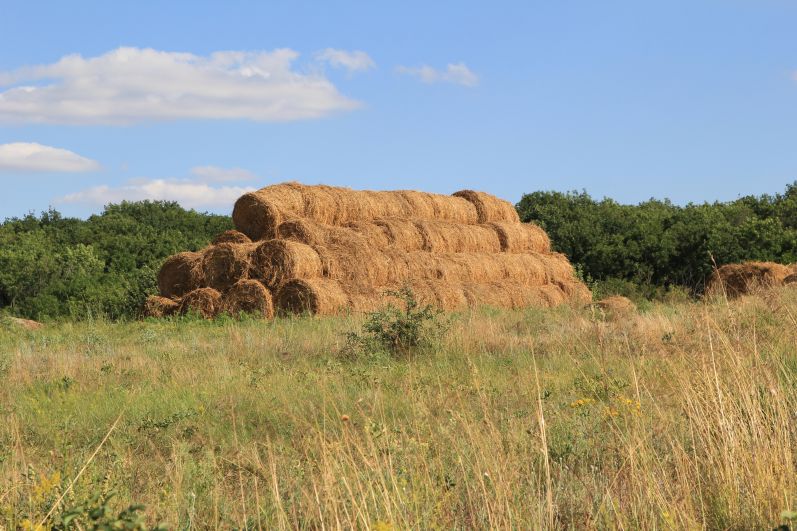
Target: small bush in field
398,331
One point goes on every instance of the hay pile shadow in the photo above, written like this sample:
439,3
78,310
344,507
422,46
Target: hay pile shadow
327,250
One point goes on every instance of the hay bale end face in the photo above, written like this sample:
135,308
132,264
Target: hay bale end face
180,274
158,307
250,297
205,302
277,261
735,280
225,264
231,236
316,296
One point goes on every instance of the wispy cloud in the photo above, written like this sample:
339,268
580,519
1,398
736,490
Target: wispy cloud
129,85
353,61
457,73
190,194
215,174
32,157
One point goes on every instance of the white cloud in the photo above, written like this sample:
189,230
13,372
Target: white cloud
189,194
32,157
351,61
454,73
130,85
215,174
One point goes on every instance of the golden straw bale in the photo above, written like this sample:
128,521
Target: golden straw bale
791,279
401,234
225,264
521,237
524,269
319,296
231,236
617,305
447,237
203,301
302,230
490,208
576,291
180,274
277,261
248,296
740,279
257,214
507,294
156,306
375,234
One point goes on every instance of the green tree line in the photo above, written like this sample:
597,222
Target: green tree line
106,265
657,245
57,267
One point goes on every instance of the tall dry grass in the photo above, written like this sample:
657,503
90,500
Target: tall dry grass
681,416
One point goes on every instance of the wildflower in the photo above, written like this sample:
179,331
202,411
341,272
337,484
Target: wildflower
582,402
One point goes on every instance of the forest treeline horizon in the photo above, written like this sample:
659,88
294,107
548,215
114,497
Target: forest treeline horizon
54,267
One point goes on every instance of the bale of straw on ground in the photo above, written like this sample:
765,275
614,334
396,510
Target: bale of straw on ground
577,292
231,236
521,237
225,264
250,297
180,274
617,305
205,302
156,306
489,208
318,296
791,279
277,261
734,280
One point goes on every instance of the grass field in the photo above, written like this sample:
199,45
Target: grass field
683,416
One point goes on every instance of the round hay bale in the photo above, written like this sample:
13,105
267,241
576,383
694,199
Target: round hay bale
616,304
277,261
248,296
231,236
577,292
490,208
26,324
225,264
735,280
446,237
158,307
401,234
507,294
521,237
302,231
316,296
524,269
258,214
205,302
180,274
791,279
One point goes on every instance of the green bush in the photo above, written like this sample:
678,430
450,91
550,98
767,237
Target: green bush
398,331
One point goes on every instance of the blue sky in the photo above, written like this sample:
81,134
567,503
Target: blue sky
197,101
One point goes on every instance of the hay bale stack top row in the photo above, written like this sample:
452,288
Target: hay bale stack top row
329,250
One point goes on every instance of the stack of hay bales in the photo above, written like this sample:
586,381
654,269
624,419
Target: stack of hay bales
329,250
